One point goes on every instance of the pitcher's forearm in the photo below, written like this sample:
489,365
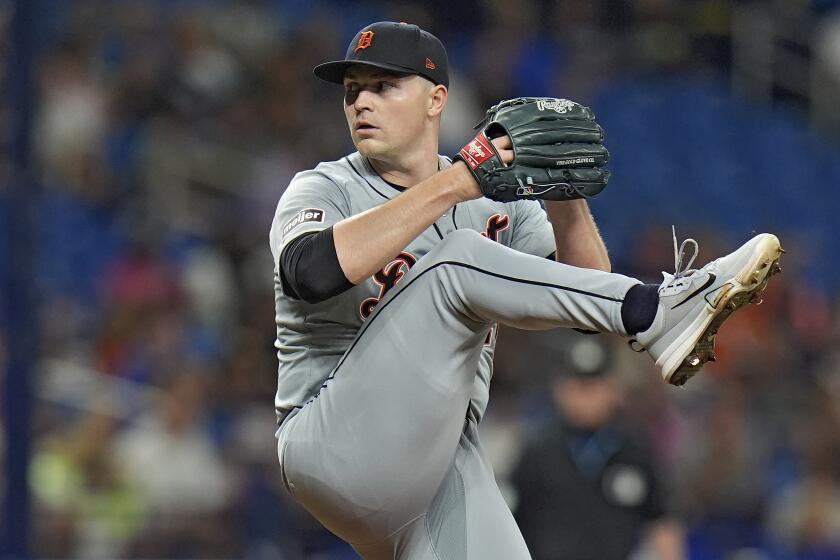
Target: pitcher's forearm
397,222
576,235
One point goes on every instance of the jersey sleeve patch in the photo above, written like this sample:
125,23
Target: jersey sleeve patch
315,215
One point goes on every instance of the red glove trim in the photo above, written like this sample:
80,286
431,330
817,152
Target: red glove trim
478,151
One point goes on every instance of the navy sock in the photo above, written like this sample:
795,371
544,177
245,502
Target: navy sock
639,307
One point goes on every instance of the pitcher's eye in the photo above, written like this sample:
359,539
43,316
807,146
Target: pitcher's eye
350,94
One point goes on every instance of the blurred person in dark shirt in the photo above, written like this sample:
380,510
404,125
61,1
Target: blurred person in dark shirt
586,488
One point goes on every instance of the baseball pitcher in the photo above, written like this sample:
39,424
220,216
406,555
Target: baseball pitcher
394,265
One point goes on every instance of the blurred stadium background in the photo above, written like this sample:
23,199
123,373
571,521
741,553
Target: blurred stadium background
138,377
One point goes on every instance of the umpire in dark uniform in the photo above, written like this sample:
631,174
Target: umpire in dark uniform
586,489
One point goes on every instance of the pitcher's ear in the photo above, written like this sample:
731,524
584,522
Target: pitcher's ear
438,95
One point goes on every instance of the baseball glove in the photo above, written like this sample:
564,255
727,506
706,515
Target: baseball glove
557,145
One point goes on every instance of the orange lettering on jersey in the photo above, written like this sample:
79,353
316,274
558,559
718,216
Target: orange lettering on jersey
387,278
364,40
495,224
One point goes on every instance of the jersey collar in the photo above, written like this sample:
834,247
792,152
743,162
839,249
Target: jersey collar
385,188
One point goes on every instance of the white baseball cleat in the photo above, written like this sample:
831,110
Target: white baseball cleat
693,304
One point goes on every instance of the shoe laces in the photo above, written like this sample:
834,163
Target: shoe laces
681,270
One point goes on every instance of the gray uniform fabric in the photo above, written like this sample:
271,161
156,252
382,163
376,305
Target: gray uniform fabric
381,402
312,337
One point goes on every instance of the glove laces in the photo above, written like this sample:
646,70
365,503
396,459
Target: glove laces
568,187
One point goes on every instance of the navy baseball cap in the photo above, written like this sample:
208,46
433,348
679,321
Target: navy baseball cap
403,48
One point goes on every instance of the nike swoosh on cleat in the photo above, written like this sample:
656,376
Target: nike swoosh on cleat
709,281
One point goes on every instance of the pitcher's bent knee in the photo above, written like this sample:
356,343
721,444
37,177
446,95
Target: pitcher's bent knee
457,246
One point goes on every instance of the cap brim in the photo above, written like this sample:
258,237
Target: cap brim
334,71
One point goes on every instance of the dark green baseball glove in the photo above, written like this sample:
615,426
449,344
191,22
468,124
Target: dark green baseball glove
557,145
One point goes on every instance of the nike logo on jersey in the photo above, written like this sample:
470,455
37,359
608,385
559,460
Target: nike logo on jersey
709,281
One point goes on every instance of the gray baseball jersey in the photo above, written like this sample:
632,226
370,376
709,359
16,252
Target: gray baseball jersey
312,337
381,388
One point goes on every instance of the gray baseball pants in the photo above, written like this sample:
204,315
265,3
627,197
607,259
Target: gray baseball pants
386,456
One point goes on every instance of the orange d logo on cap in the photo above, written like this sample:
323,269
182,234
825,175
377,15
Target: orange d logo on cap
364,40
400,48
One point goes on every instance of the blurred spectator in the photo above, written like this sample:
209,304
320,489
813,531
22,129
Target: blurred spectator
209,284
724,474
804,516
143,324
185,488
72,121
826,71
84,500
585,487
